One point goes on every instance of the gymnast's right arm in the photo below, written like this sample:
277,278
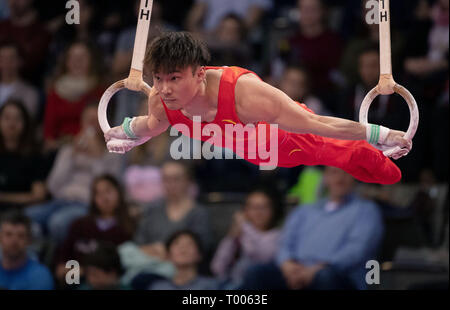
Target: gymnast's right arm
138,130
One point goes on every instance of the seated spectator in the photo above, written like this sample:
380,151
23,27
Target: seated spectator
295,83
386,110
178,210
103,269
12,86
316,48
75,167
108,220
184,250
228,43
17,270
205,15
76,83
253,237
21,174
25,29
435,58
324,245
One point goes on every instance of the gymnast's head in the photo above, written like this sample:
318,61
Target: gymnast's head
176,61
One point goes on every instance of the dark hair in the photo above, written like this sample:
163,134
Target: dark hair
240,21
16,218
185,232
105,257
185,164
27,141
121,212
369,48
13,45
173,51
275,202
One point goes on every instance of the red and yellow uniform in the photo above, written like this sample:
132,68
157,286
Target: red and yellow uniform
358,158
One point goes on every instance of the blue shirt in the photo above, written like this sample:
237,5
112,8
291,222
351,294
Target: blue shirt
345,238
31,276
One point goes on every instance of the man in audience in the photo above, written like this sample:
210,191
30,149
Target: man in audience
324,245
17,270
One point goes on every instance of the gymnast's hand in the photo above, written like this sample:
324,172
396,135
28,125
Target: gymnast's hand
117,140
396,138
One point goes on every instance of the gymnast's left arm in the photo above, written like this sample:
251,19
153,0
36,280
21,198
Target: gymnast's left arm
259,101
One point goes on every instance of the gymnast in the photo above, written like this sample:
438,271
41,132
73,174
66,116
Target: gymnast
184,88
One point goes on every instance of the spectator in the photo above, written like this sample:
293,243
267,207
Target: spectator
103,269
17,270
316,48
24,28
325,245
386,110
185,252
77,82
205,15
228,44
252,238
11,84
143,174
178,210
76,165
295,83
21,175
108,220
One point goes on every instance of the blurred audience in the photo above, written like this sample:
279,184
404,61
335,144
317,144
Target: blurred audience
324,245
24,28
12,86
178,210
76,165
103,269
76,82
252,238
205,15
108,220
316,48
17,270
184,250
228,43
295,83
22,176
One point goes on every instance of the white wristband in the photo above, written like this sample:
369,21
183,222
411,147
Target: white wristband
376,134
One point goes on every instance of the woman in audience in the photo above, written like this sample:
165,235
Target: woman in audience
252,238
75,167
76,83
21,176
184,250
108,220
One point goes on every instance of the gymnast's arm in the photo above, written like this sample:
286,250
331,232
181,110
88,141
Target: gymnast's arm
259,101
150,125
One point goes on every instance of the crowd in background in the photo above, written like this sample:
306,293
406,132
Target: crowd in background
144,221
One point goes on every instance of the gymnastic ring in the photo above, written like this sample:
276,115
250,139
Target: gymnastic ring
106,97
413,110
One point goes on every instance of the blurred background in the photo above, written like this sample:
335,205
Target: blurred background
143,221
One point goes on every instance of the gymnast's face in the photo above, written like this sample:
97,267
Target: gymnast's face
179,88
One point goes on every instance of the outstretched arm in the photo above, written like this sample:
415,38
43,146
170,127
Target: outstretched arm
259,101
142,128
